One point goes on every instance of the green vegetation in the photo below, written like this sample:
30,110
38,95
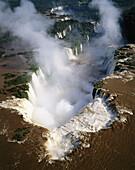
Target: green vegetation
129,54
25,133
99,84
118,68
127,46
20,133
129,63
43,5
11,55
128,24
21,129
78,35
21,94
19,80
6,37
27,54
33,66
124,3
131,67
3,91
18,91
121,57
8,75
1,53
116,53
30,61
17,137
21,89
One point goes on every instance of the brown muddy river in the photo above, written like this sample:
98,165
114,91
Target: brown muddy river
110,149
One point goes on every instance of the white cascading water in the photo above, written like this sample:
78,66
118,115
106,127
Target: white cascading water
61,88
56,102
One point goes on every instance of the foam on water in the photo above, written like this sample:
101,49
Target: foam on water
65,138
62,89
92,118
23,106
66,102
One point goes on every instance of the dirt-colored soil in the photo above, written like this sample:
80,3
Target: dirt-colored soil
112,148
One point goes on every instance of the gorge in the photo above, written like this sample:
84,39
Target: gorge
61,88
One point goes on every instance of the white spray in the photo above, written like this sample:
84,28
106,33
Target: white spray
61,89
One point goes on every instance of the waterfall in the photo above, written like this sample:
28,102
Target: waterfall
59,34
70,54
81,47
88,38
70,28
76,51
57,97
62,87
64,33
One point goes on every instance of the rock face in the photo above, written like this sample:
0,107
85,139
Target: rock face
118,88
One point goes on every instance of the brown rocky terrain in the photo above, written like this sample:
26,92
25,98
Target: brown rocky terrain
22,144
120,86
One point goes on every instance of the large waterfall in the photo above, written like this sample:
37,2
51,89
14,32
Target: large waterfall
62,87
57,99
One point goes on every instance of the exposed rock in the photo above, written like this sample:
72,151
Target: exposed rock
118,88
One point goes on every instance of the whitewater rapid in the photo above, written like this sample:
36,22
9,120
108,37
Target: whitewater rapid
60,93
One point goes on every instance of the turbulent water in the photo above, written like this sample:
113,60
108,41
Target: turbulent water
58,101
61,87
67,96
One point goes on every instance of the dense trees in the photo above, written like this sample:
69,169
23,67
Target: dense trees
128,25
78,34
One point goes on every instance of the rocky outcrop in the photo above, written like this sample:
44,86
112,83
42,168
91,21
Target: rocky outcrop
118,88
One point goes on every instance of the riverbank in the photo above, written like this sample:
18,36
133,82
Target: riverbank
112,148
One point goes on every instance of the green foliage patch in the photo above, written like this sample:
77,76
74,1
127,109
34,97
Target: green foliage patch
33,67
99,84
1,53
20,133
19,80
78,35
121,57
21,87
129,54
8,75
21,94
11,55
17,137
129,63
21,129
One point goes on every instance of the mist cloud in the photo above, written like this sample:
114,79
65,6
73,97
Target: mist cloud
101,48
109,20
61,89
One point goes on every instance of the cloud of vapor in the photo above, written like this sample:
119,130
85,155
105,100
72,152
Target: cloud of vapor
101,48
60,89
110,16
